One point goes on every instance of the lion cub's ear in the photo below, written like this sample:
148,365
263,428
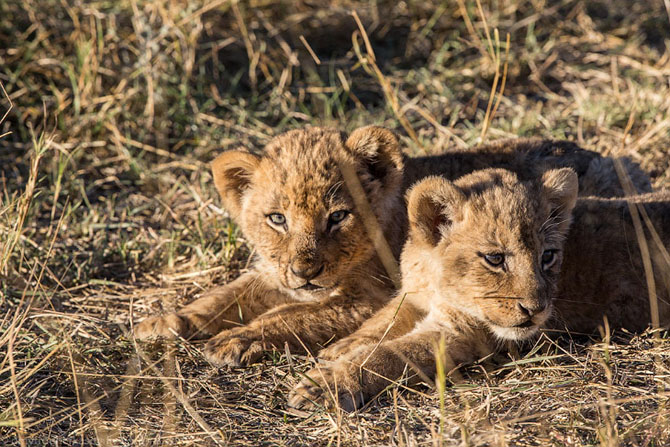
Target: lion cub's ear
379,152
433,205
232,173
560,188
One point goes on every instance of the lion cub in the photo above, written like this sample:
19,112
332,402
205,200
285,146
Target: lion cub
316,275
487,261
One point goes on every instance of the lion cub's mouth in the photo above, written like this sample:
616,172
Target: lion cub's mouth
309,286
526,324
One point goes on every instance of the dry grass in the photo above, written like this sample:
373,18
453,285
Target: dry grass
108,210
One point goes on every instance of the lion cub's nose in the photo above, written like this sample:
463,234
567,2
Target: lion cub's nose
306,271
531,309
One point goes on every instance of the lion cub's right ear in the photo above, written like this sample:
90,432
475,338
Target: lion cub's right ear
378,150
232,173
560,188
432,206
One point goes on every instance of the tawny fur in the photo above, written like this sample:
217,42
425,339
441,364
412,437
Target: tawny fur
451,293
298,175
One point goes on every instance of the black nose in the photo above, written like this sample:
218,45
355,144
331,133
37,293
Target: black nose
307,272
530,310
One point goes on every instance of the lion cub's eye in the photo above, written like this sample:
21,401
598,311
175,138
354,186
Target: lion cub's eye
548,259
277,219
337,217
495,260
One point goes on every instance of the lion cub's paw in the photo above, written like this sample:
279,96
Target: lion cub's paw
311,392
321,385
168,326
234,348
344,347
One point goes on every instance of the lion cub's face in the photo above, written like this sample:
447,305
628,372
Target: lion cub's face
294,208
493,244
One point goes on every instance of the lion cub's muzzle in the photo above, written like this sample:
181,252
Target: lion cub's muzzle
307,271
531,313
515,318
307,275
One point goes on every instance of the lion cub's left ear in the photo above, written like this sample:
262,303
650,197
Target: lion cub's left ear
560,188
378,153
232,173
433,205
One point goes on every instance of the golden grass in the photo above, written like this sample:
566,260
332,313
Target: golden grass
111,114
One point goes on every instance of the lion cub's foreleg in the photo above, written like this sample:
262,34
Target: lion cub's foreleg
236,303
398,337
360,375
397,318
378,333
355,378
305,325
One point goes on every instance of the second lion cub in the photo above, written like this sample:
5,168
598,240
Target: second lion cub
489,260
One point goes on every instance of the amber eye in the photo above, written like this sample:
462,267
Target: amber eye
277,219
548,259
337,217
495,260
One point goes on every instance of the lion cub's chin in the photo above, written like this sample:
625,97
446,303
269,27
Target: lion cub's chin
521,332
310,293
515,333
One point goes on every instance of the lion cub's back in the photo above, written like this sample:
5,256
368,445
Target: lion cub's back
527,158
603,271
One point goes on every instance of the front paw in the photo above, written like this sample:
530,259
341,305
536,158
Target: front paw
343,347
324,386
233,348
167,326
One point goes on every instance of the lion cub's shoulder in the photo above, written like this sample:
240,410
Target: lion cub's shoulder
616,264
